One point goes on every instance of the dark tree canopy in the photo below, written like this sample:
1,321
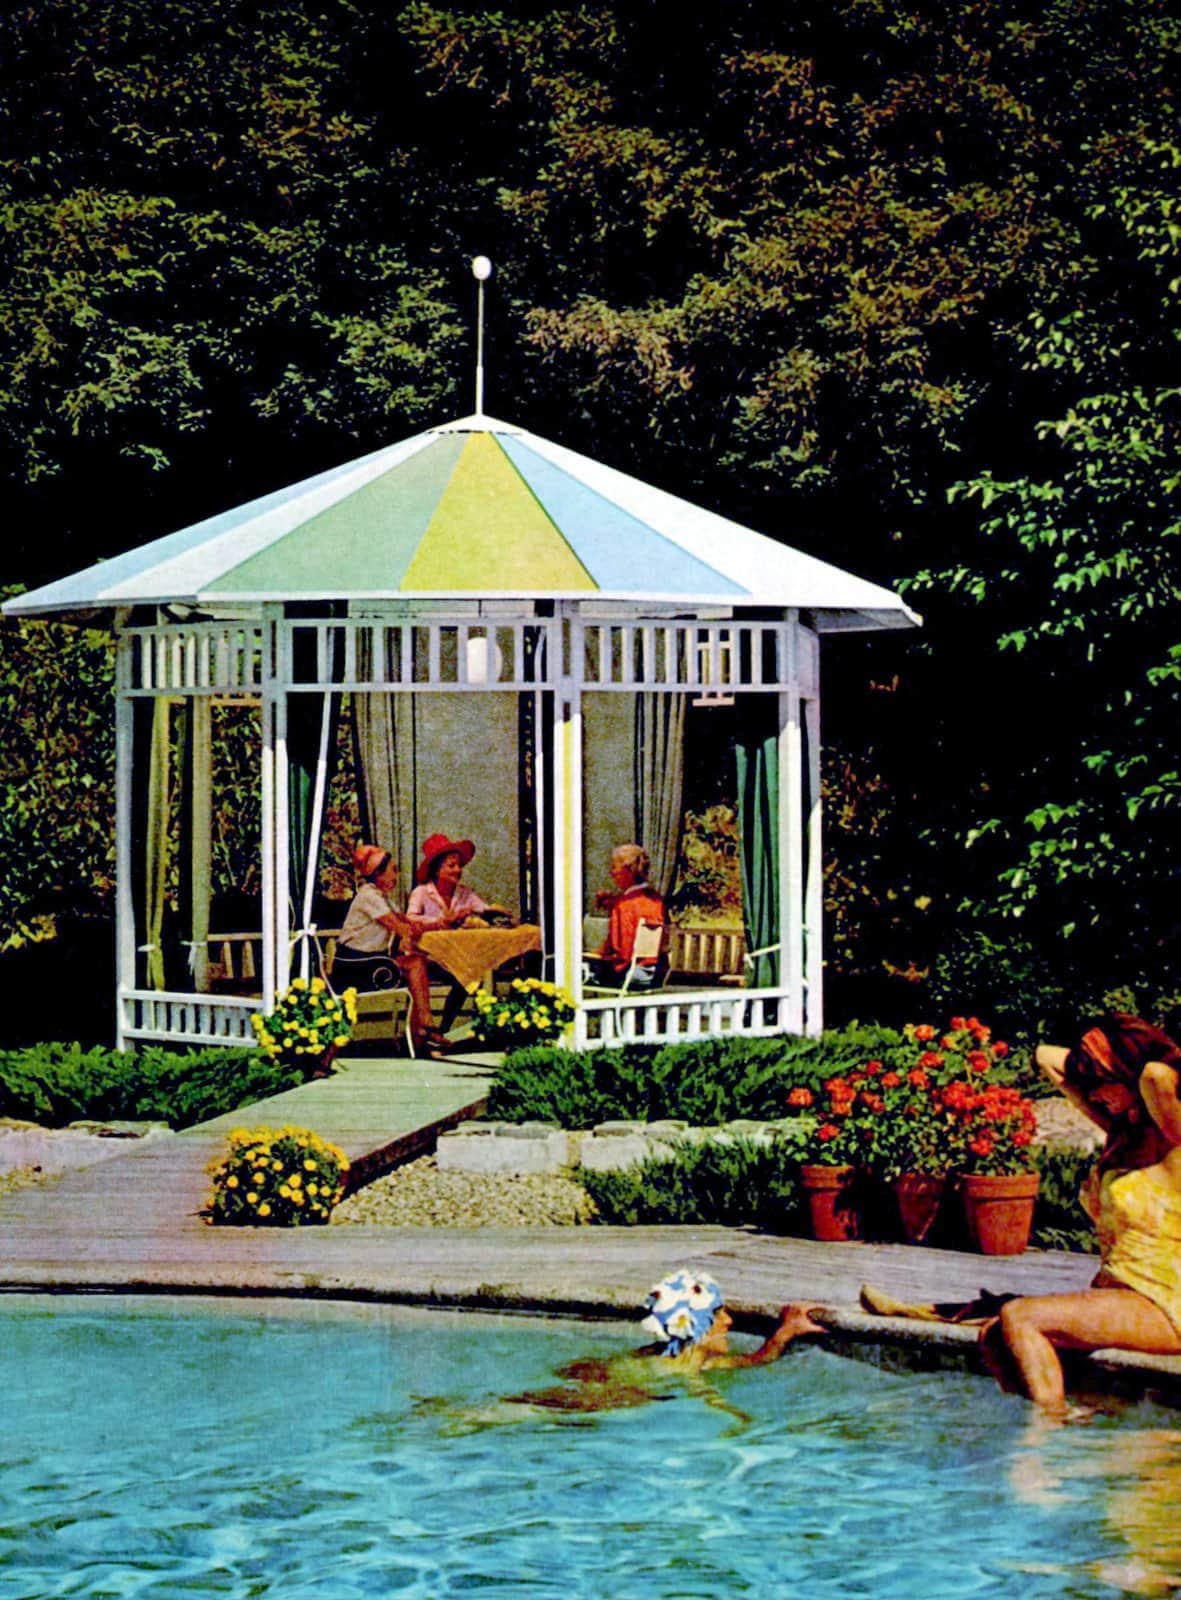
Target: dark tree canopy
895,283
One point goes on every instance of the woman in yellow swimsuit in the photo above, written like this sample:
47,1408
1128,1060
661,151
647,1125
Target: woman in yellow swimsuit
1124,1074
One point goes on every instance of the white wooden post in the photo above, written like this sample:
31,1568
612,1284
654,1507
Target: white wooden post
814,888
282,820
201,843
567,799
269,828
124,779
791,863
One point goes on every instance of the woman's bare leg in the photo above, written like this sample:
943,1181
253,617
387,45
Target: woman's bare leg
1036,1327
413,969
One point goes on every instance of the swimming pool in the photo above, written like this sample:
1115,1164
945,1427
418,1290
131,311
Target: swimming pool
188,1448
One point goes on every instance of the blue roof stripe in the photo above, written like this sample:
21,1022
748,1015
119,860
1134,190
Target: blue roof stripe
620,552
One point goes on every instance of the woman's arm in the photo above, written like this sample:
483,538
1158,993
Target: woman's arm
1051,1061
1159,1091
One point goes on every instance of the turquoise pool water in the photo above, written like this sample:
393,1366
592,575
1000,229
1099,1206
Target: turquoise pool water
188,1449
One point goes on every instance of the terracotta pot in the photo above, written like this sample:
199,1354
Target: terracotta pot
919,1196
323,1067
832,1201
999,1210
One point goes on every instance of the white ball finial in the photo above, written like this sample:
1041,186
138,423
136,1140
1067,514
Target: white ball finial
481,268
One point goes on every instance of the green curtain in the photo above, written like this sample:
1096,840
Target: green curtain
756,750
156,843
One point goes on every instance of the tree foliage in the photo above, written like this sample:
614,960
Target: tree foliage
201,248
1080,556
890,282
57,770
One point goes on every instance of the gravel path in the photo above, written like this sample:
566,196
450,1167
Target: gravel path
419,1195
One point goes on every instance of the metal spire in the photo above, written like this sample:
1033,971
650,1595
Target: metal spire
481,272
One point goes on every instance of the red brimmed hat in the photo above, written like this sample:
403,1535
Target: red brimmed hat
440,845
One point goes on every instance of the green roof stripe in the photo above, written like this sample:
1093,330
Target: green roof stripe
370,536
490,533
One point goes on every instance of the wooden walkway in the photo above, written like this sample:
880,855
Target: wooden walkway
131,1223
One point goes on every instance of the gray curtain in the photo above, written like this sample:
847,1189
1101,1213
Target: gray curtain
384,729
659,782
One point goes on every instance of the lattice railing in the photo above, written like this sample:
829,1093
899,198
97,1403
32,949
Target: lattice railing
187,1018
356,653
221,658
711,657
665,1018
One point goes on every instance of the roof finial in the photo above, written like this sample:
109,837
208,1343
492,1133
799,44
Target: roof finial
481,271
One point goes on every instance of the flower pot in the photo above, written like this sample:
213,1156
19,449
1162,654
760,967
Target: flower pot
323,1067
832,1201
919,1196
999,1210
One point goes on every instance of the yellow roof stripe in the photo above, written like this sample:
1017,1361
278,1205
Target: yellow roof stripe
489,532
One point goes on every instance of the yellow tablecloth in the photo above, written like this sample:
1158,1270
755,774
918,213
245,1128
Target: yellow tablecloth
469,953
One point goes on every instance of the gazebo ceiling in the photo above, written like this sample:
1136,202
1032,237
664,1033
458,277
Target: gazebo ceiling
474,510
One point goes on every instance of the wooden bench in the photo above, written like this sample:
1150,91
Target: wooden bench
706,956
695,955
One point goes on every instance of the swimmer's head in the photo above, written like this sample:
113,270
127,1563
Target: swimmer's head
681,1309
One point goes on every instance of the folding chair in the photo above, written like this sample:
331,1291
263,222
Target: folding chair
650,944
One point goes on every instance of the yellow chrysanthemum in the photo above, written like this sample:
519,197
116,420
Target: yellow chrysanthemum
264,1210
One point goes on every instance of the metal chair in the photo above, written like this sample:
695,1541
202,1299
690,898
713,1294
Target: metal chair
379,1011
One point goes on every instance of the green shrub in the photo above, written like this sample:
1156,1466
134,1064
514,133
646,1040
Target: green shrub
1059,1221
56,1083
703,1081
732,1183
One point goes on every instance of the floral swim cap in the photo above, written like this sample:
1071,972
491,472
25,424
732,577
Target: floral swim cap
681,1308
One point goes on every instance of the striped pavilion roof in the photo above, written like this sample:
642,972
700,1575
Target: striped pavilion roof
476,509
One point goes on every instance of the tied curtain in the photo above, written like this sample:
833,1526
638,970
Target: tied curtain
187,724
756,748
659,782
384,744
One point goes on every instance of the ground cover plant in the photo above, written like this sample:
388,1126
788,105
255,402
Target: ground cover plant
735,1182
703,1082
55,1084
742,1183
